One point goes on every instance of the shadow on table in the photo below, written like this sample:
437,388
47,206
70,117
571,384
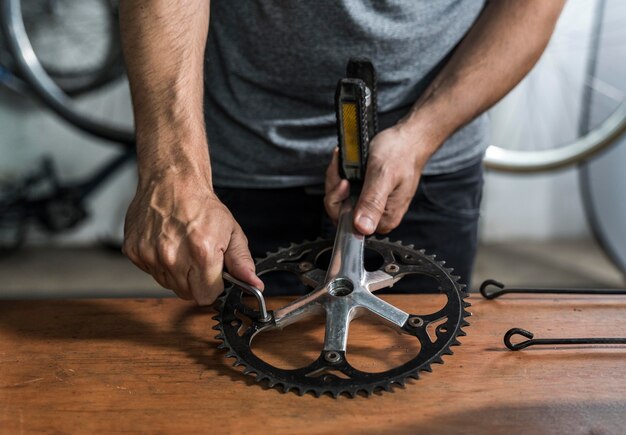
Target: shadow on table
293,347
103,320
88,320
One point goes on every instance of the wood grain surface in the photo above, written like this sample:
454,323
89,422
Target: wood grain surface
121,365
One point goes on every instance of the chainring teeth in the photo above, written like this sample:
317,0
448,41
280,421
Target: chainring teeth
367,390
339,388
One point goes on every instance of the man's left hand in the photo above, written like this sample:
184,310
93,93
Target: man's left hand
393,172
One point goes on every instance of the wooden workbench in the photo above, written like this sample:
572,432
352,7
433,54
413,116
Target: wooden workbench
117,365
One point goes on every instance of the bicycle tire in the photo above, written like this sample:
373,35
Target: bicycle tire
31,71
607,133
77,43
602,201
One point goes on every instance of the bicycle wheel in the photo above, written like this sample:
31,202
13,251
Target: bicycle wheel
602,178
559,92
601,181
105,112
76,42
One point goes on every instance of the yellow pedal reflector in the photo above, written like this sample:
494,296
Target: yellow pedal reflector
351,154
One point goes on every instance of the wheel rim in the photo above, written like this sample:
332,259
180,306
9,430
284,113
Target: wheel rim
535,161
41,83
77,43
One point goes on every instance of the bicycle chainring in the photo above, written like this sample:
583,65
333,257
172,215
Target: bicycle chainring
399,261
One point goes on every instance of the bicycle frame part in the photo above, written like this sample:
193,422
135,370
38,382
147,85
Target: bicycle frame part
61,209
33,73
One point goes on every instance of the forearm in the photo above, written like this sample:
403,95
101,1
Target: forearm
498,51
164,45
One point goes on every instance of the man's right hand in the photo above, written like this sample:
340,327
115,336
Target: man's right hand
178,231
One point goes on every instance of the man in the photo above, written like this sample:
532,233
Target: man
259,96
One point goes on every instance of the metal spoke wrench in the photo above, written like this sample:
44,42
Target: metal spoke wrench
346,290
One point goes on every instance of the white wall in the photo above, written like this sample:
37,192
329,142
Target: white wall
532,207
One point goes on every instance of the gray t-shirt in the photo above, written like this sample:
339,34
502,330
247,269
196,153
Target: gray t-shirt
272,67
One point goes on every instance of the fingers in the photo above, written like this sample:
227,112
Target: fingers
160,262
192,265
170,266
373,200
332,172
131,253
394,203
205,258
147,261
238,260
397,205
336,189
198,281
167,280
208,259
335,197
206,282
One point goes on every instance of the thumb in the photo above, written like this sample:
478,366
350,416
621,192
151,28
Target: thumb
238,260
371,204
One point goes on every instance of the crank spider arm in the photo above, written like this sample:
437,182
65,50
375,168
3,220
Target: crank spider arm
345,292
489,293
532,341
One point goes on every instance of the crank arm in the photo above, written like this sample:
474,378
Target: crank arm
347,289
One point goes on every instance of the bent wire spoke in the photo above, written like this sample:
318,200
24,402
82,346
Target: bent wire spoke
488,292
532,341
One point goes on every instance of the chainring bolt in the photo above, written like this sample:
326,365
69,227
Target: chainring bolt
392,268
305,266
416,322
332,356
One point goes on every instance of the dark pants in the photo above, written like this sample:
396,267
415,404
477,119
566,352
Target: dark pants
442,218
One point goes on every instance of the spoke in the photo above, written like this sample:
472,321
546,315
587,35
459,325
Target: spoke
605,89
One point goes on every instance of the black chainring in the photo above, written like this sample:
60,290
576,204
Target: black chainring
353,381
